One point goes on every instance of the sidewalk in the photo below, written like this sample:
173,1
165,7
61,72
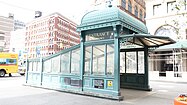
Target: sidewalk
163,93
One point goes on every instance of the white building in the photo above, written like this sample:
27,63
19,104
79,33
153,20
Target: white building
6,26
2,41
17,41
168,17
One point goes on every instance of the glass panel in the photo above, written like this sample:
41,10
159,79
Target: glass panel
56,64
75,61
47,66
38,66
30,66
129,6
87,60
110,59
11,61
35,66
98,59
123,4
65,63
141,62
122,62
131,62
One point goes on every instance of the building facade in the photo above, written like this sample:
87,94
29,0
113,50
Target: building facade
49,35
17,41
6,26
168,17
2,41
18,24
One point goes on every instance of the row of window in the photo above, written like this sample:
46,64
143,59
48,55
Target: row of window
172,6
138,13
37,30
39,24
66,24
60,63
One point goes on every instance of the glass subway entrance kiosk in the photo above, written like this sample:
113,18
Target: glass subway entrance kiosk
113,53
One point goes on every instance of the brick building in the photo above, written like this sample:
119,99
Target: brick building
49,35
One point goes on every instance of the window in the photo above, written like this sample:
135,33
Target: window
8,61
171,6
136,11
123,4
129,6
65,62
184,5
167,30
131,65
55,64
88,52
140,14
75,61
141,62
47,66
156,9
98,60
110,59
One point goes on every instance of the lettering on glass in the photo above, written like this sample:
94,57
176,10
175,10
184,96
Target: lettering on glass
100,36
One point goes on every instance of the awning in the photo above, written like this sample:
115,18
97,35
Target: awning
146,40
177,45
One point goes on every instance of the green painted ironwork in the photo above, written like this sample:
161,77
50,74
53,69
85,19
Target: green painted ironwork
104,33
111,17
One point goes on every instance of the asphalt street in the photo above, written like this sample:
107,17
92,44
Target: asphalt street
13,92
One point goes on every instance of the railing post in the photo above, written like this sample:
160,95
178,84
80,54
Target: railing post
41,71
26,71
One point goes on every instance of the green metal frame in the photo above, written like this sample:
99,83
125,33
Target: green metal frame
107,86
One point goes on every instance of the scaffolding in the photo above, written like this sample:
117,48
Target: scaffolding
173,60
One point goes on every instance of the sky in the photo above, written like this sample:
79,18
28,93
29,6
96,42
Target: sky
24,10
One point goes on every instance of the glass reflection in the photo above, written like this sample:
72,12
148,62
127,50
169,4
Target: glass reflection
131,62
110,59
98,59
75,61
65,63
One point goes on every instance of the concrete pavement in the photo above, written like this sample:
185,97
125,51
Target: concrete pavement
15,93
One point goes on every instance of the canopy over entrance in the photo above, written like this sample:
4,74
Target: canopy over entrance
146,40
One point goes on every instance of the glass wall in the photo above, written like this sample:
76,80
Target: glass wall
99,59
75,61
141,62
56,64
47,66
122,62
110,59
65,63
132,62
88,56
